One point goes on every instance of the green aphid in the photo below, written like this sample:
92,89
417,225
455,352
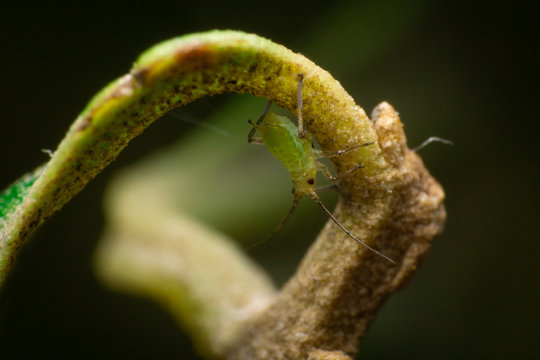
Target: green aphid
293,146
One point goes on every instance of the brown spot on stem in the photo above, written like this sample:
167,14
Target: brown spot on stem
140,75
196,57
124,87
85,122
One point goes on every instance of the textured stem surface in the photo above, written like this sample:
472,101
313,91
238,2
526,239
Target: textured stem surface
173,74
331,300
224,301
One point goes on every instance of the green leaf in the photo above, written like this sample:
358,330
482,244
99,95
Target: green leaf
14,195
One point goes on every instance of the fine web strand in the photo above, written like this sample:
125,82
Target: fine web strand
192,120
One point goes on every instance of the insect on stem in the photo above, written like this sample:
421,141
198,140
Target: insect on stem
293,146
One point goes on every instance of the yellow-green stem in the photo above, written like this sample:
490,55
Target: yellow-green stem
173,74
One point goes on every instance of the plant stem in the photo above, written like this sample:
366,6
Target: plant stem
173,74
228,306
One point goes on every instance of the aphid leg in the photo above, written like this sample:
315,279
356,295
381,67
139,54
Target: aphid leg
280,225
256,141
354,168
251,136
327,174
326,187
325,171
301,131
330,154
430,140
266,109
319,202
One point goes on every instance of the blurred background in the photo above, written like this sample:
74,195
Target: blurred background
463,71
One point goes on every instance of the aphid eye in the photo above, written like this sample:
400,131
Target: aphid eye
311,181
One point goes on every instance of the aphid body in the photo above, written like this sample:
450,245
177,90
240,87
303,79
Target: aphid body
281,138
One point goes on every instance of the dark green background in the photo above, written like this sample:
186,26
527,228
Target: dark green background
464,71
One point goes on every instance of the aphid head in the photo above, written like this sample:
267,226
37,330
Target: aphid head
304,185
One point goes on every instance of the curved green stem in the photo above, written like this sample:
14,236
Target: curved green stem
392,205
173,74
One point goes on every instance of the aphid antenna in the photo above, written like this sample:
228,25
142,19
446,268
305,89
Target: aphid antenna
188,118
337,153
280,225
319,202
300,105
430,140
